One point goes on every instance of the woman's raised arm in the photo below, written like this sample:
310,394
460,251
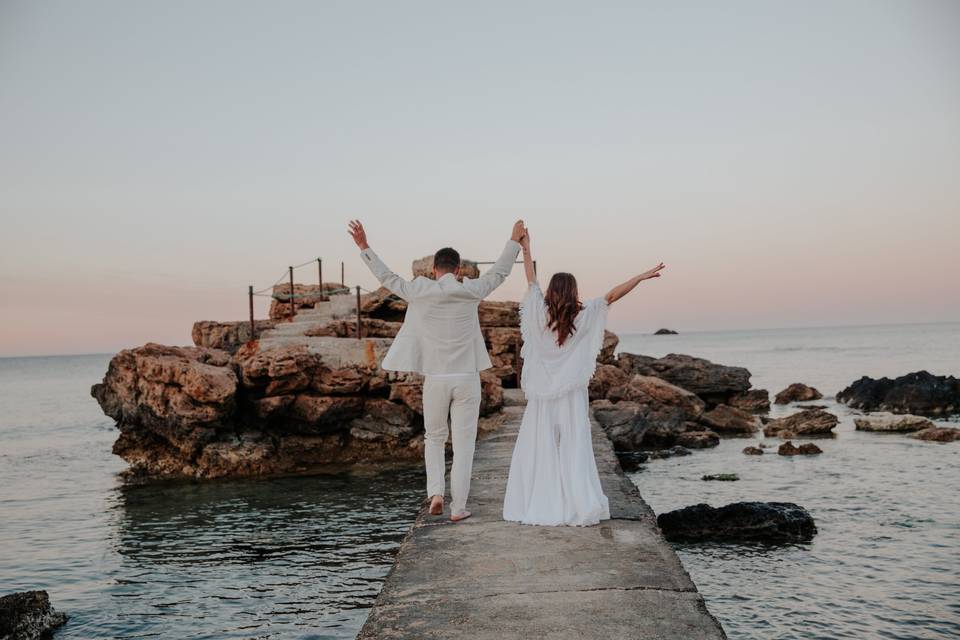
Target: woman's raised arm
527,258
623,289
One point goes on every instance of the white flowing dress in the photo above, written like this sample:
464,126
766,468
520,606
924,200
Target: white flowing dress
553,474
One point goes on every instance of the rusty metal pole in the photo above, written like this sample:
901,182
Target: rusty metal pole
320,276
343,281
253,334
292,307
359,324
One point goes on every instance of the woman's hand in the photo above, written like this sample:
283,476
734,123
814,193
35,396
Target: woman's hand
525,240
652,273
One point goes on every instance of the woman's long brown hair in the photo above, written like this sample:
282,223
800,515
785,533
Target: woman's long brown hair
563,305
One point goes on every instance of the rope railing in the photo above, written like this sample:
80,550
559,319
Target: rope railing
292,296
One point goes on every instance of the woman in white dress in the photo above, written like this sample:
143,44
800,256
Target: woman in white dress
553,475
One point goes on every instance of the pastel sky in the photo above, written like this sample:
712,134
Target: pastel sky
793,163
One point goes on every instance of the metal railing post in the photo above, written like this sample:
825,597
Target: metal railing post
359,323
292,307
320,276
343,282
253,334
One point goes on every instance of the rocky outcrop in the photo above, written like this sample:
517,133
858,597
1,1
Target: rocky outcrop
937,434
347,328
728,420
605,378
754,400
424,267
892,423
27,615
196,412
811,422
713,383
753,451
739,522
805,449
227,336
664,332
919,393
797,392
697,439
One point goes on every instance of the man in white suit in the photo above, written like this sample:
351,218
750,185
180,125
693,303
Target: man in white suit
440,338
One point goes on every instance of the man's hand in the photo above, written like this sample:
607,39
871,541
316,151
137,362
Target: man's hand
518,231
652,273
359,235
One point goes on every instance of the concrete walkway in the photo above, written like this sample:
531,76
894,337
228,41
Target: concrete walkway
486,579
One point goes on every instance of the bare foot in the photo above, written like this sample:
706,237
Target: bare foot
463,515
436,505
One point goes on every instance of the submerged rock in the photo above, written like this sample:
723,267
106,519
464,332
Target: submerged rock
937,434
739,522
631,460
805,449
811,422
797,392
753,451
722,477
658,454
27,615
698,439
892,423
919,393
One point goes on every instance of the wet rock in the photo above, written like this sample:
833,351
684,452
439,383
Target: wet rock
739,522
227,336
27,615
722,477
753,451
755,400
730,421
937,434
805,449
810,422
811,406
631,460
659,454
893,423
714,383
646,412
697,439
384,419
919,393
797,392
664,332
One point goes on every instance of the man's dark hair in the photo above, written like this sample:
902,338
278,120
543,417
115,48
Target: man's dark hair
446,260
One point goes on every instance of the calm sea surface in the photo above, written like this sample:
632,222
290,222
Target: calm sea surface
304,557
886,560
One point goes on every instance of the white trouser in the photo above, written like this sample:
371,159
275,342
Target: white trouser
457,397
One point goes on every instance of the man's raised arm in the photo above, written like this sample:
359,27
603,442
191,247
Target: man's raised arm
394,283
495,275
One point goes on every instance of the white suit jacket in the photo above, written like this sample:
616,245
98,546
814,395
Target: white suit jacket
441,329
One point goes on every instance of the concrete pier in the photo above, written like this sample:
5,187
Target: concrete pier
486,579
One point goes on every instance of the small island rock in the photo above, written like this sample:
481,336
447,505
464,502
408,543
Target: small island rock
740,521
797,392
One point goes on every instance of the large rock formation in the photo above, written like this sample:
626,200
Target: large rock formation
424,267
919,393
27,615
227,336
714,383
739,522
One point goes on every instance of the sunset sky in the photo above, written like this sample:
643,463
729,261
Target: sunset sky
793,163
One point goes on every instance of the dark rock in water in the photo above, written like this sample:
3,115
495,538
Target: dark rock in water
646,412
811,406
664,332
659,454
937,434
919,393
806,449
698,439
731,421
631,460
797,392
714,383
722,477
27,615
757,400
740,521
753,451
811,422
